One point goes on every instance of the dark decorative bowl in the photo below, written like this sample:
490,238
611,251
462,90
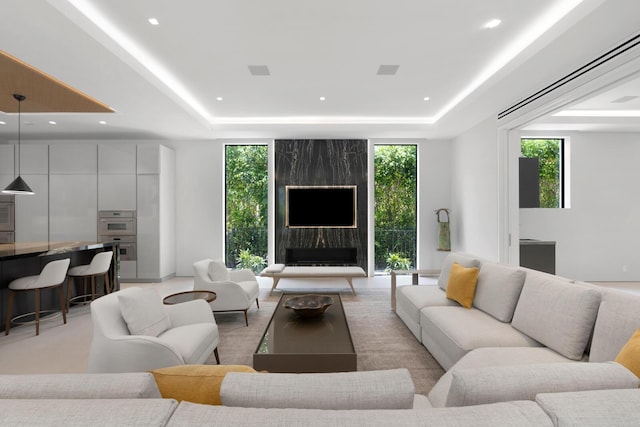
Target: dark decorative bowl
309,305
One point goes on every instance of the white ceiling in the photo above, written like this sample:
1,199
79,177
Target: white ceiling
615,107
163,81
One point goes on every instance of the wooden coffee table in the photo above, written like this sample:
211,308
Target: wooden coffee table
294,344
186,296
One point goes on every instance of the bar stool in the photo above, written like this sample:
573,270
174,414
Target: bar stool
51,276
99,266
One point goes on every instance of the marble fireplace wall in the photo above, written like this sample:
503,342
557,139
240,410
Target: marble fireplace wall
321,162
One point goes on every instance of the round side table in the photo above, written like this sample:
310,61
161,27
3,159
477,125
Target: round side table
186,296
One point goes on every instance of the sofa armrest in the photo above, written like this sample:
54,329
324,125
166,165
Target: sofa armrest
386,389
188,313
524,382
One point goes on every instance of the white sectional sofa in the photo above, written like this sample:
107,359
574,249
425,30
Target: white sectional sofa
376,398
521,322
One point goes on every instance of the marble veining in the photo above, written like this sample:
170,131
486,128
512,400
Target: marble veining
321,162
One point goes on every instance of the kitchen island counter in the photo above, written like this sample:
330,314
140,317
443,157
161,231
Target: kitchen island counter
28,258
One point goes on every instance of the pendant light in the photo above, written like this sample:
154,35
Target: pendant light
18,186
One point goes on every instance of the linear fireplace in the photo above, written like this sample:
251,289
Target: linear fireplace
321,256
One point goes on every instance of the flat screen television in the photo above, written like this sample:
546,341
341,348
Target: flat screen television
331,206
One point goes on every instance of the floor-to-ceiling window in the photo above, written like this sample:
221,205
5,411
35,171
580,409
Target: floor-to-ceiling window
246,172
395,185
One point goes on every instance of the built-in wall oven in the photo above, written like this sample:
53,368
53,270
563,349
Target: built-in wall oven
117,223
7,218
119,226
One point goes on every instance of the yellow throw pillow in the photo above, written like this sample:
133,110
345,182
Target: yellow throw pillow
194,383
461,286
629,355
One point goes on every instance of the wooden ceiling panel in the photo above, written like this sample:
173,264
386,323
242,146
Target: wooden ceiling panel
44,93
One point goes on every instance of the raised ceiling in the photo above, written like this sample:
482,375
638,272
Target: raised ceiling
190,76
46,94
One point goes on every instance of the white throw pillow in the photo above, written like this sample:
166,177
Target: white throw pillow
218,271
143,312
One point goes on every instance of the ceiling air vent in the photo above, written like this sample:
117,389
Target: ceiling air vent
626,47
388,70
259,70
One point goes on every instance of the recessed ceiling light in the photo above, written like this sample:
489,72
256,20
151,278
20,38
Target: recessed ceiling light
322,98
493,23
153,21
102,122
51,122
219,98
426,98
3,123
526,37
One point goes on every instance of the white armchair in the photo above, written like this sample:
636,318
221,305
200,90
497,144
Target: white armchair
190,335
236,290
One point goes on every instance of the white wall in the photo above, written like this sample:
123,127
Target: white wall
200,198
474,191
600,233
434,192
199,201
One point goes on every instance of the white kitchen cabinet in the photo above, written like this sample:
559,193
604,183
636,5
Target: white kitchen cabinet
32,211
73,201
34,160
156,214
7,160
119,159
117,192
73,159
148,227
149,158
128,270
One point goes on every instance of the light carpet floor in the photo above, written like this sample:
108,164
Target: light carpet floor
381,339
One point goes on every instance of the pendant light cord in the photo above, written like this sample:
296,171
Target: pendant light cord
19,98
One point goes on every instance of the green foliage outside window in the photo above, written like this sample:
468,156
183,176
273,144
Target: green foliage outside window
246,203
254,263
548,151
395,203
396,261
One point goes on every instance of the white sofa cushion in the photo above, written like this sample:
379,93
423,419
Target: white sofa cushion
130,385
86,412
384,389
498,290
462,259
618,318
451,332
592,408
480,386
558,314
143,311
414,298
519,414
492,356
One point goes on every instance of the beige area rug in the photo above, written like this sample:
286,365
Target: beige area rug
381,339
